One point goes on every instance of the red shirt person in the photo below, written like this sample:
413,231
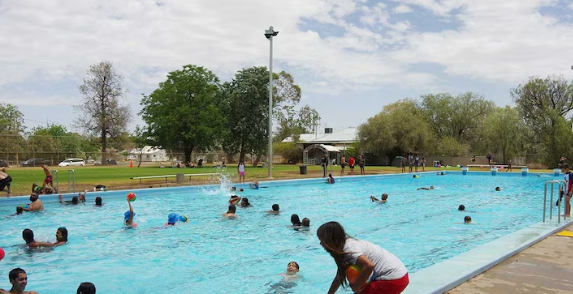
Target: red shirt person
351,163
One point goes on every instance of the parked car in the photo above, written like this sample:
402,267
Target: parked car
3,163
108,161
73,162
34,162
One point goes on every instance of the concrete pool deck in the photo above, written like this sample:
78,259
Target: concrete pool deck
546,267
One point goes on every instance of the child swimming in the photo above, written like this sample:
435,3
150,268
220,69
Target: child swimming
383,200
129,215
381,271
275,209
288,281
424,188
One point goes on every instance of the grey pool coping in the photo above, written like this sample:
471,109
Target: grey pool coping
446,275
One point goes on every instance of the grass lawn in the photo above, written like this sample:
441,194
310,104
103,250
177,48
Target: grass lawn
118,177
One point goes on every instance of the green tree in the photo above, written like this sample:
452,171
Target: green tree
399,129
292,123
457,117
246,109
503,132
184,112
544,103
11,130
289,150
101,112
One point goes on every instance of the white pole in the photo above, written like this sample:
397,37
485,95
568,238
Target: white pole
271,108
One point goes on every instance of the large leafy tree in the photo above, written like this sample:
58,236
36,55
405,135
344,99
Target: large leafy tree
400,128
544,104
458,117
184,112
246,109
292,123
101,112
503,133
11,129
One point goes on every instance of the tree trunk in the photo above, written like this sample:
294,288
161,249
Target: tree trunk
103,146
242,151
257,160
140,158
188,150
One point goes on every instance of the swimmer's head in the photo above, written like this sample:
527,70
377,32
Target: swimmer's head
233,188
82,197
292,268
295,220
86,288
305,222
172,218
98,200
34,197
245,202
497,188
62,234
384,196
330,175
431,187
442,173
467,219
18,279
461,208
275,207
28,236
565,168
75,200
19,209
232,209
241,190
414,176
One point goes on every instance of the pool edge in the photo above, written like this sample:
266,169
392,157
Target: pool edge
444,276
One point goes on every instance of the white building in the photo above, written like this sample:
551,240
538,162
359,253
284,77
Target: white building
330,142
148,153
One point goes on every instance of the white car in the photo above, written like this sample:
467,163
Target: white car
73,162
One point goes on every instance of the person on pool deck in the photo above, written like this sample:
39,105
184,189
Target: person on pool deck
36,205
5,181
382,272
330,179
98,201
324,165
86,288
49,178
19,280
351,163
37,189
295,220
467,219
129,215
424,188
255,185
568,188
461,208
275,209
245,203
230,214
497,188
241,171
361,162
342,165
61,238
234,200
383,200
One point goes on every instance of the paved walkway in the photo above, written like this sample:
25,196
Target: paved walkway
546,267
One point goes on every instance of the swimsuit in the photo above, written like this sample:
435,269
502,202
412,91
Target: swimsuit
48,180
5,182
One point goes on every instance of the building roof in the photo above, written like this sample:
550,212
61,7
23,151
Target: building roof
145,150
348,135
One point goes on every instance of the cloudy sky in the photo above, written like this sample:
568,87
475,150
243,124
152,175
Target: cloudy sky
351,57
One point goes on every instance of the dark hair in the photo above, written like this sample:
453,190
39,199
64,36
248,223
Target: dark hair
86,288
330,175
98,200
34,196
75,200
565,166
295,264
245,202
497,188
461,207
241,190
15,273
295,220
467,219
332,238
64,232
305,222
384,196
275,207
232,209
19,209
28,236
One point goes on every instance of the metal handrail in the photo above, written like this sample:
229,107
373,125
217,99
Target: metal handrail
55,171
73,179
560,186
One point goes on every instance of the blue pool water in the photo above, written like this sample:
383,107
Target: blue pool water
213,255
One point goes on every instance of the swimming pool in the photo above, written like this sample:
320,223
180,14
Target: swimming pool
213,255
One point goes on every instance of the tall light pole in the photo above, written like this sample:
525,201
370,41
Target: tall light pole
269,34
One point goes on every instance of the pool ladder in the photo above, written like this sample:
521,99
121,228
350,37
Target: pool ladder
70,183
560,187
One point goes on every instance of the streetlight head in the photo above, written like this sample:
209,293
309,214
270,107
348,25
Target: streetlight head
270,33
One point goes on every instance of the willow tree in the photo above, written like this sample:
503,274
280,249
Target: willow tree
101,112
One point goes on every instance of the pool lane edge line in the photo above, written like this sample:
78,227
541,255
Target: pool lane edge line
444,276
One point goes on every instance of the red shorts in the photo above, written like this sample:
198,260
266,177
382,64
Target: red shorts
387,286
48,180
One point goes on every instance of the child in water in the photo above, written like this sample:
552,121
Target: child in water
386,273
129,215
383,200
288,281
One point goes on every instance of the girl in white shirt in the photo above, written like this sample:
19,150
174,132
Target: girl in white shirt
381,271
241,169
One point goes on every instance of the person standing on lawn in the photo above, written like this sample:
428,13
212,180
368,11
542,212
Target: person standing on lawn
5,181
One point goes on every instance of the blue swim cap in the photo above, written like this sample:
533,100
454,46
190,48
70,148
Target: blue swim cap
172,218
126,215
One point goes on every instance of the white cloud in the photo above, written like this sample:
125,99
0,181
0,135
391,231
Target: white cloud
402,9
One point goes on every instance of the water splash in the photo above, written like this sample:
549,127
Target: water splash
225,183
